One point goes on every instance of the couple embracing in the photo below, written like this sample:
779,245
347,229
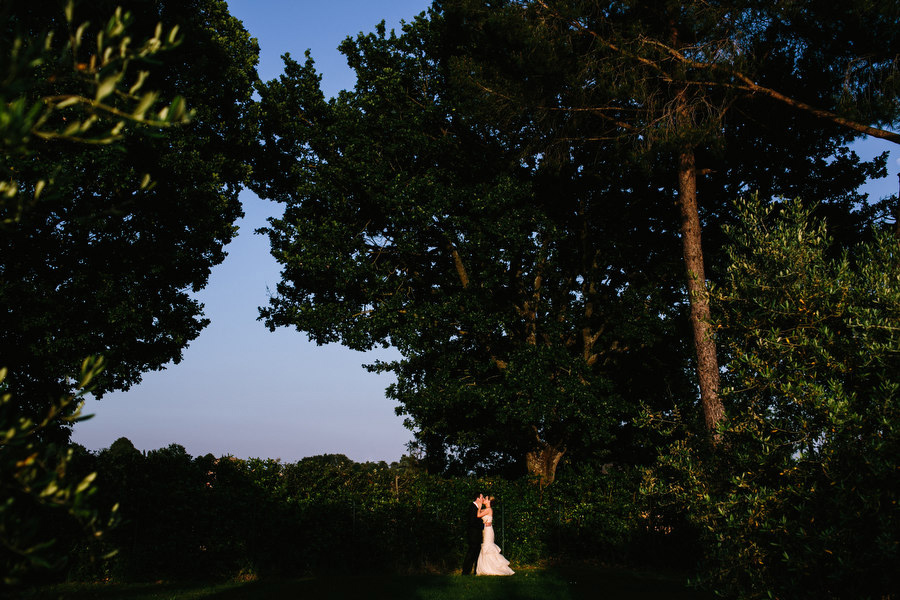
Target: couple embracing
483,553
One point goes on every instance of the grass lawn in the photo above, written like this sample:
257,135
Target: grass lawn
576,583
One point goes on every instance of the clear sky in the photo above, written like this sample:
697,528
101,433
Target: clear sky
241,389
245,391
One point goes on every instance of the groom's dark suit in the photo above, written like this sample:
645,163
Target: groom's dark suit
474,527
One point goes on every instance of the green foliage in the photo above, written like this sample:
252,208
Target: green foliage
579,79
799,499
37,486
496,199
88,165
103,243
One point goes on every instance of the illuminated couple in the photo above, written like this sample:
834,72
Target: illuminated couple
482,552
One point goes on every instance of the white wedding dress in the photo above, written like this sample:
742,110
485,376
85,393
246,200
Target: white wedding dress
490,561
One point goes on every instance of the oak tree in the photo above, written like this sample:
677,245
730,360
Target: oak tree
523,300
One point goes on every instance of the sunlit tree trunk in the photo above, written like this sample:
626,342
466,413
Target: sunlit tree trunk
704,344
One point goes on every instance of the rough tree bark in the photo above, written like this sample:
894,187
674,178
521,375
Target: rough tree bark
543,460
704,344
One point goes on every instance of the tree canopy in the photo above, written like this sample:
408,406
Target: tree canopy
497,199
523,299
94,106
104,255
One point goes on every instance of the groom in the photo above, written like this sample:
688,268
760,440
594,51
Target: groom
474,526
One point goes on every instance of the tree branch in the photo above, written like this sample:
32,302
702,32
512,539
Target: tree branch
747,84
751,86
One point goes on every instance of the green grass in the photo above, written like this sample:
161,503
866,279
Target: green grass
527,584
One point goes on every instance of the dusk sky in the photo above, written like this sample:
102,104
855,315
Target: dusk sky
245,391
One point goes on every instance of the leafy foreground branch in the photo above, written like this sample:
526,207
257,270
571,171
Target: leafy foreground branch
36,485
74,93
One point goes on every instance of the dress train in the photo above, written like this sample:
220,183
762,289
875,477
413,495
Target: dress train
490,561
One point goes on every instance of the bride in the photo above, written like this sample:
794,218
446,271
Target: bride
490,561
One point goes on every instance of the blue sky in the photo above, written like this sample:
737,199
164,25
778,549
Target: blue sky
248,392
241,389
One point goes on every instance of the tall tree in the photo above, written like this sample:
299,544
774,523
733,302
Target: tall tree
523,299
106,262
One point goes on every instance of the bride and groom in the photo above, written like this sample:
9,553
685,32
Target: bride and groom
482,552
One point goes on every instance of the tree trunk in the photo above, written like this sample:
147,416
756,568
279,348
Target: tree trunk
542,462
704,344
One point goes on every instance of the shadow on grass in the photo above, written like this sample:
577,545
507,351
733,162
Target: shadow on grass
129,591
563,583
558,583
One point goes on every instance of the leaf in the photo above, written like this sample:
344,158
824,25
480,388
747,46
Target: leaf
107,87
68,101
141,77
145,103
86,483
27,462
39,187
79,33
